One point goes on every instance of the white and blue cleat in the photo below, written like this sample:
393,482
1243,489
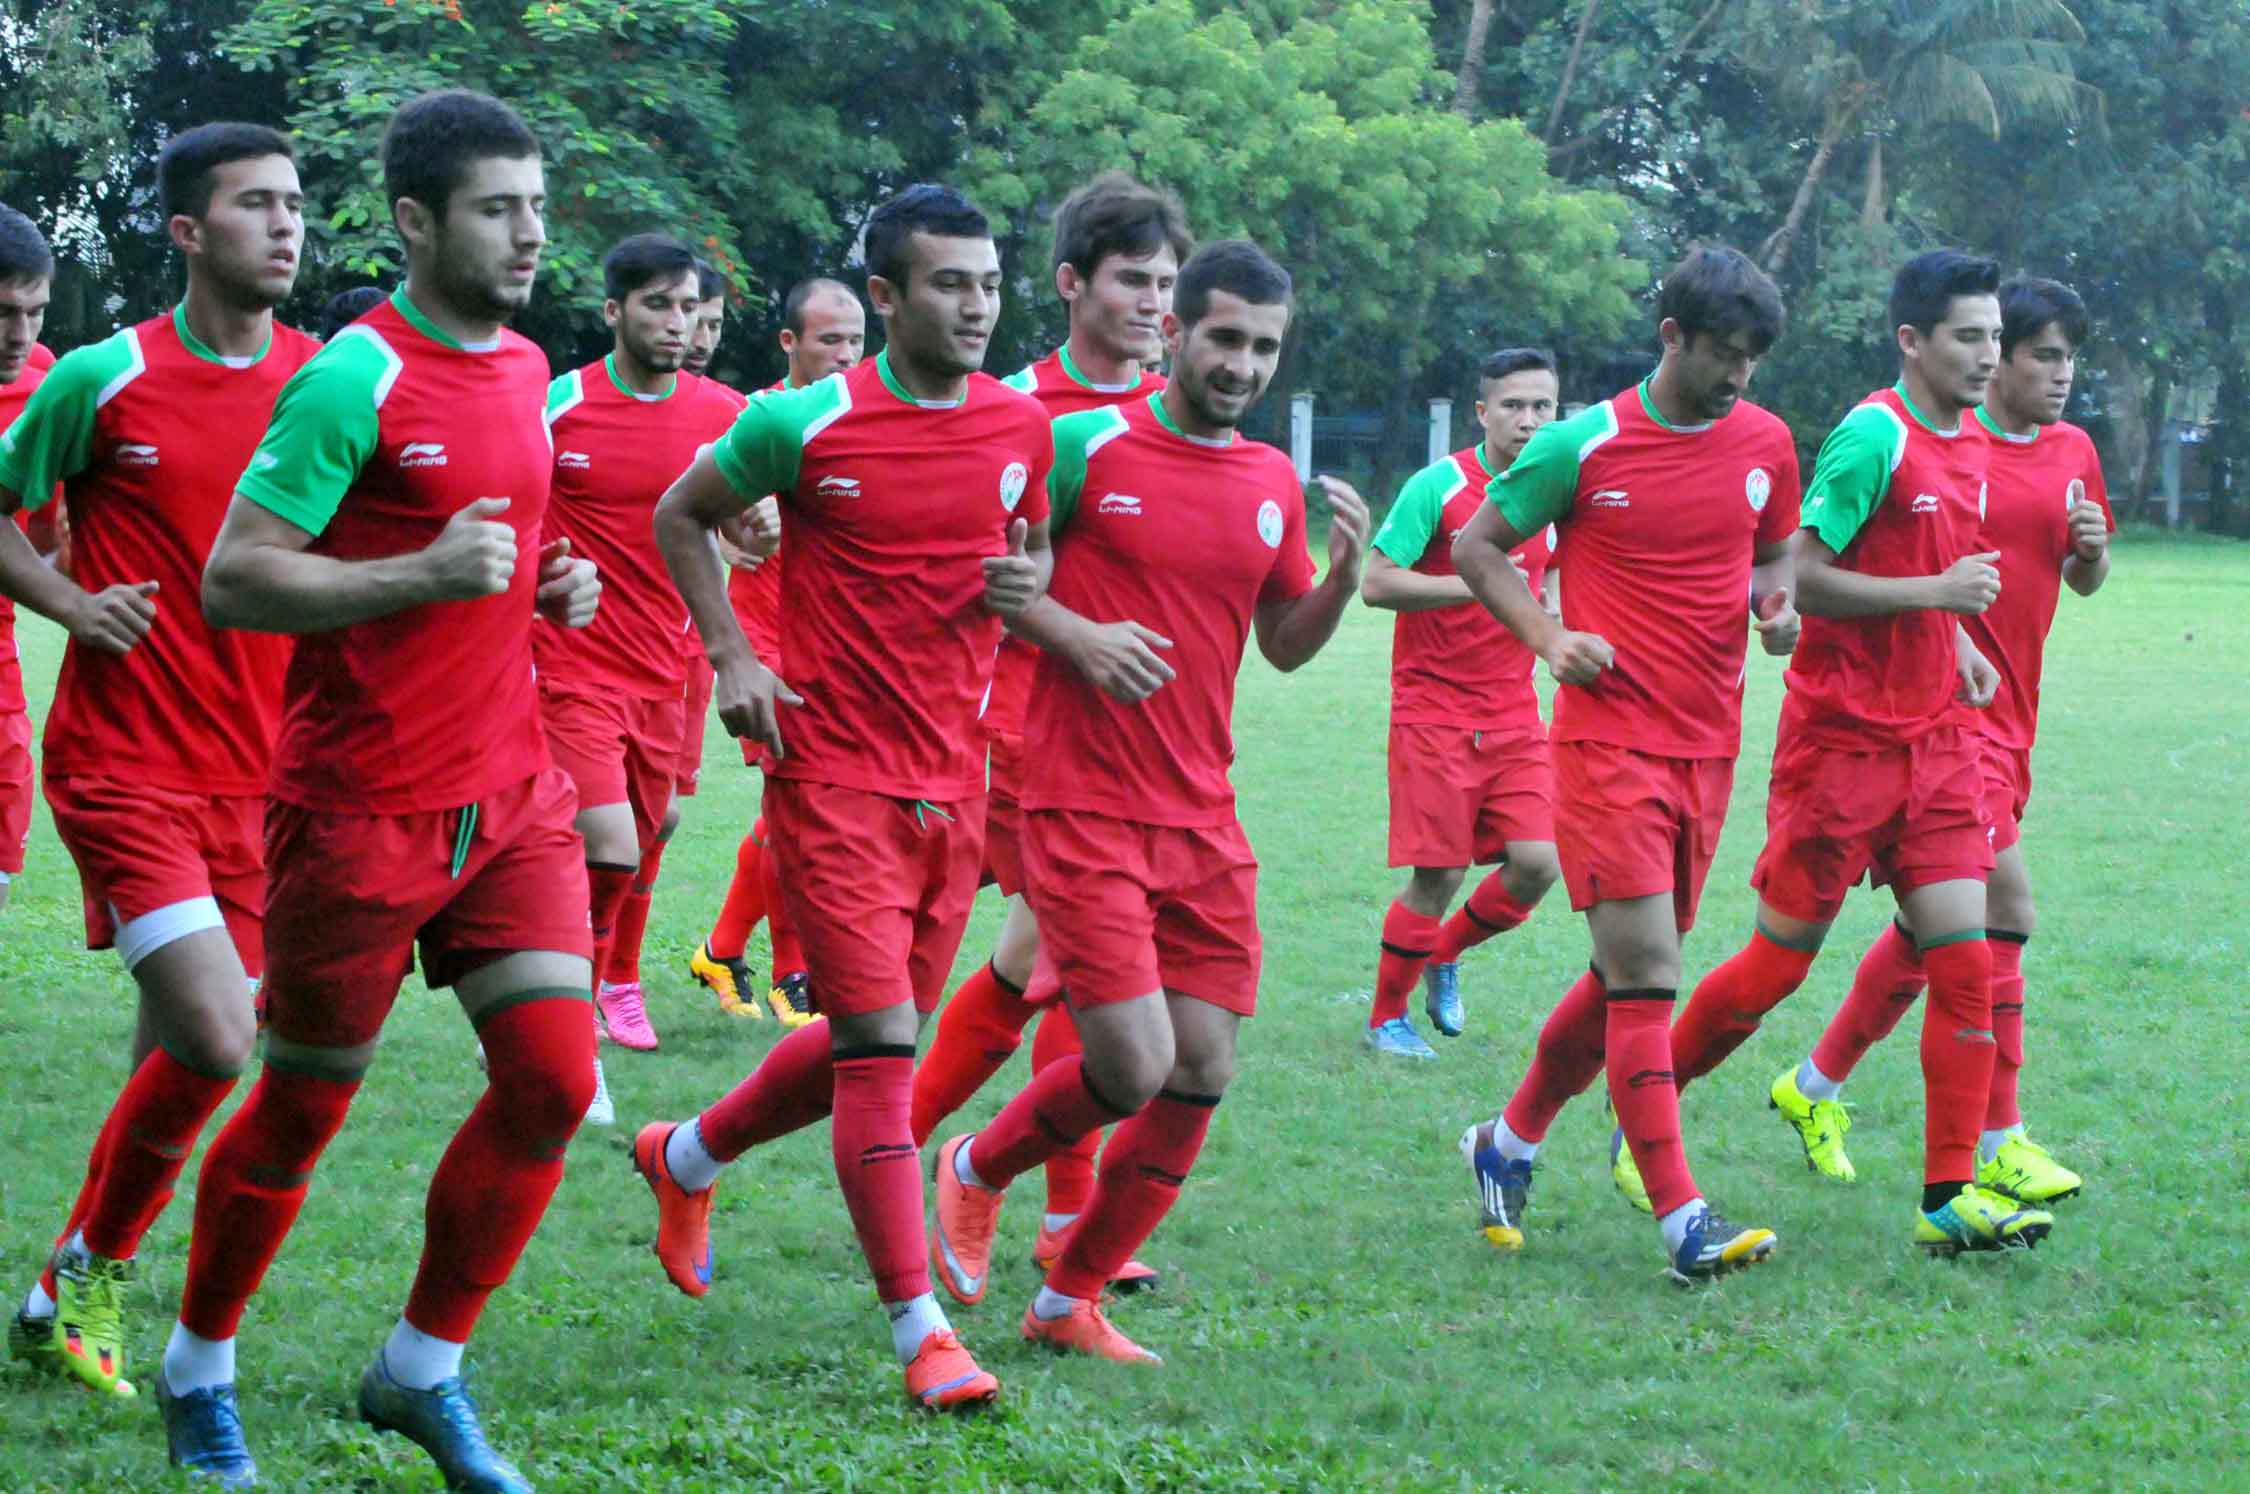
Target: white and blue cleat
1503,1187
1398,1039
1441,996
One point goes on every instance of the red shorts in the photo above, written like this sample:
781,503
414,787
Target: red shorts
1459,796
1127,908
616,749
753,748
16,779
1905,816
688,775
1631,825
1003,817
353,894
2007,789
879,889
141,848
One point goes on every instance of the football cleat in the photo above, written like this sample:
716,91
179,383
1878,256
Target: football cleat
967,1219
1714,1246
1979,1218
89,1321
1441,996
1503,1187
1398,1039
683,1219
203,1434
1626,1173
2027,1172
1820,1126
943,1377
624,1012
1133,1276
791,998
444,1421
1083,1330
727,980
603,1110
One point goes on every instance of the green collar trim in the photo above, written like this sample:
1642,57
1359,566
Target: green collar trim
1921,419
201,349
2009,436
609,366
890,382
1648,404
433,331
1164,418
1071,371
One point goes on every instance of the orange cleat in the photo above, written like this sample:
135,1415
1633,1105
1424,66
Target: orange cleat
683,1219
1083,1330
944,1378
1133,1276
967,1217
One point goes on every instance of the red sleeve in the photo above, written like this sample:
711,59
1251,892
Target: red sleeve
2097,486
1292,574
1782,514
1034,508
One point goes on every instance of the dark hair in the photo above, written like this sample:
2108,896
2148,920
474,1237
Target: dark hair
1514,361
1115,214
2029,305
346,307
924,207
643,260
709,283
433,140
24,254
1236,266
185,166
793,304
1927,284
1717,291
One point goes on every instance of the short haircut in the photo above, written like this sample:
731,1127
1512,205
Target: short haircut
793,304
1514,361
924,207
346,307
24,254
187,166
434,139
1236,266
643,260
710,284
1717,291
1116,214
2029,305
1926,286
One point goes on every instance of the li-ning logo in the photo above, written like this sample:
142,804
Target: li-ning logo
1119,503
1925,503
838,487
573,459
130,455
1610,498
422,454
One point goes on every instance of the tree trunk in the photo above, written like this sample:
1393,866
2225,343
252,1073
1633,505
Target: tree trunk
1466,83
1775,251
1873,206
1570,69
2152,454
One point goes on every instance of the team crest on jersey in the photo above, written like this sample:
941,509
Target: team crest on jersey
1757,487
1013,479
1269,524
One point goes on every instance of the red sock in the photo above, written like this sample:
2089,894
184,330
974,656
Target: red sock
745,904
1568,1058
1645,1094
2001,1110
608,886
880,1168
1889,980
1408,938
95,1161
1070,1172
632,918
788,955
493,1185
1957,1056
791,1088
979,1028
1057,1108
161,1113
1731,1001
1490,910
1148,1161
252,1185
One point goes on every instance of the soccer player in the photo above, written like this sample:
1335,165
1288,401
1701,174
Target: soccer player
404,472
710,319
346,307
1184,540
1117,252
823,331
1468,752
610,693
1675,501
914,490
1874,772
27,269
161,735
2047,514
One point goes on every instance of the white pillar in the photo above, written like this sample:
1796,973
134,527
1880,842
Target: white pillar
1300,435
1441,429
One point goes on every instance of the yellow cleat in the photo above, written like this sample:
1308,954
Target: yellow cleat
2028,1173
1820,1127
89,1324
727,980
1979,1218
1626,1173
792,1001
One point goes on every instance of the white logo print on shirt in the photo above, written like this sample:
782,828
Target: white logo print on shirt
1757,487
838,487
574,459
1610,498
131,455
1119,503
422,454
1269,524
1014,478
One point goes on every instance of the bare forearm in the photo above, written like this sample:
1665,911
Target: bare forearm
1770,576
30,580
1306,626
691,555
1049,626
269,589
2086,577
1395,588
1496,583
1831,591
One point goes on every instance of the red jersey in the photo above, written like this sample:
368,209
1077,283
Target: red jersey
615,454
1061,389
386,435
1892,496
889,507
1185,536
1456,666
1662,525
13,397
146,432
2034,481
756,593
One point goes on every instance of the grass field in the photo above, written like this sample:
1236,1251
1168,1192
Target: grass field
1330,1316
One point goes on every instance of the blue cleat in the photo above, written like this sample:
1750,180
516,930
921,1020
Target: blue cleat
1398,1039
443,1420
1713,1247
1441,996
203,1430
1503,1187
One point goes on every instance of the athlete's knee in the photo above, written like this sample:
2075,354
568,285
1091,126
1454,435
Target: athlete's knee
218,1044
1130,1073
1202,1073
671,825
540,1058
1532,869
1433,887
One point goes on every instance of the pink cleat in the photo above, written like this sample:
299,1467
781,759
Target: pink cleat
625,1015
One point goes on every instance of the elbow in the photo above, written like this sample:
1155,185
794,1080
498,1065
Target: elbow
221,599
1373,593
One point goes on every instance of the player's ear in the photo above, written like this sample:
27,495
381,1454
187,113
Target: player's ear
1175,333
1067,282
611,311
185,232
882,295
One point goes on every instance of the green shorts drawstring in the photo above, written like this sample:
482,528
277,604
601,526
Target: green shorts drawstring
465,831
922,808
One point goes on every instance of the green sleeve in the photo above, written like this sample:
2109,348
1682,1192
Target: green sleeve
1077,437
764,449
53,438
1540,486
324,429
563,393
1852,475
1417,512
1024,380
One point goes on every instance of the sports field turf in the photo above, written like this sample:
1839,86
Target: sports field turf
1330,1316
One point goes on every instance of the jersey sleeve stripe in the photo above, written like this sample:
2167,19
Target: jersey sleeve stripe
571,398
1608,430
131,371
830,416
393,366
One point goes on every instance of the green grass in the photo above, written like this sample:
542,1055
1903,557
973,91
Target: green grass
1330,1317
